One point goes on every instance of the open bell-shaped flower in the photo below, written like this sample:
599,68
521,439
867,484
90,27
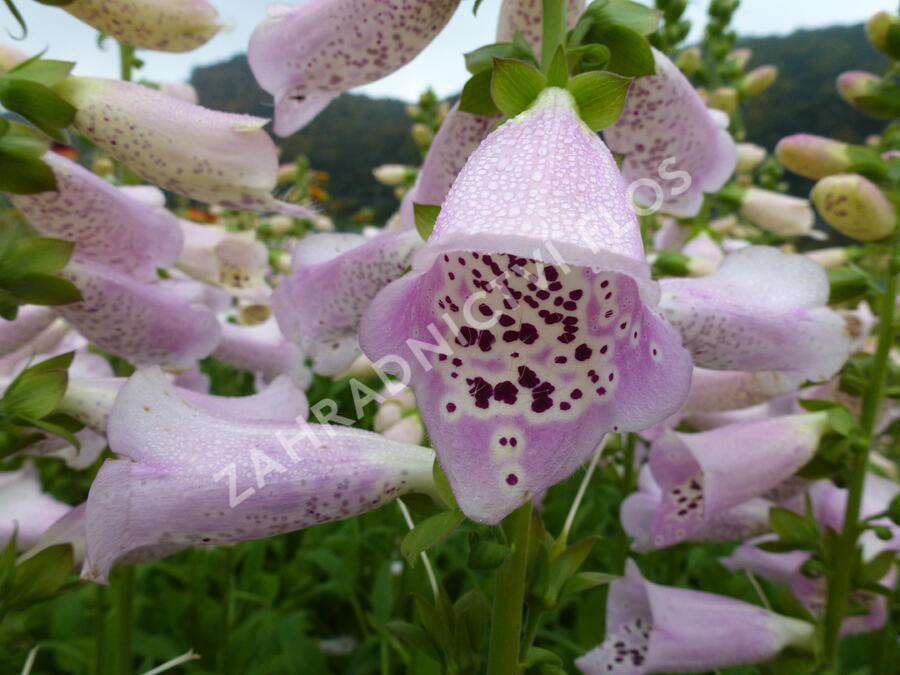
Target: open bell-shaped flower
211,156
161,25
108,225
306,55
262,349
702,474
525,17
527,324
761,310
236,261
663,629
672,143
31,321
334,279
186,477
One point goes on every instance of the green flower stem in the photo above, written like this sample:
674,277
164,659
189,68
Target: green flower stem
123,603
126,61
509,596
554,30
839,582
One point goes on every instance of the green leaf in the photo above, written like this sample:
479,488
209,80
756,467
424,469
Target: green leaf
537,656
428,533
558,72
39,578
600,97
848,283
626,13
793,528
34,395
43,289
671,263
482,59
843,422
11,6
38,104
24,139
515,85
630,53
47,72
426,216
414,637
472,610
893,511
22,174
476,95
583,581
875,569
41,254
486,555
566,565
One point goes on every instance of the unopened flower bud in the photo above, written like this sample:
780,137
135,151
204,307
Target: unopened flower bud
740,57
323,223
749,156
724,225
689,60
281,261
360,369
830,258
813,156
287,173
854,206
779,213
10,57
864,91
724,99
879,30
393,174
407,430
422,135
103,166
279,225
758,80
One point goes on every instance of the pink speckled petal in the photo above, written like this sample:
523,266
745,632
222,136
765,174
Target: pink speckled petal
307,54
187,478
654,629
162,25
524,16
459,135
320,304
670,138
264,350
29,323
25,508
535,308
703,474
207,155
107,225
761,310
142,322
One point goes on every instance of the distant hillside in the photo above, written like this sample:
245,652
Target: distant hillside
357,133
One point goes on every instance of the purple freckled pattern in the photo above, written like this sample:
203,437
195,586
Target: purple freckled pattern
308,54
207,155
108,225
668,136
320,304
172,486
540,183
459,135
146,323
161,25
524,16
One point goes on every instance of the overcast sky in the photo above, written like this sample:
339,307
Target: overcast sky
440,65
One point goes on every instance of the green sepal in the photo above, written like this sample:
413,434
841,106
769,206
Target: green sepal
558,72
425,216
515,85
486,555
482,59
429,532
40,578
476,95
600,97
630,53
587,57
47,72
38,104
23,174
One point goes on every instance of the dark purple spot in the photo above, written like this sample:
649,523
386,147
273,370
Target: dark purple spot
512,479
583,352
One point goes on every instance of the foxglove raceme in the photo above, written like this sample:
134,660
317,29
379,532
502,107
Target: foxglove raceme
703,474
107,225
207,155
761,310
334,279
164,322
162,25
524,17
671,140
188,478
306,55
527,324
655,629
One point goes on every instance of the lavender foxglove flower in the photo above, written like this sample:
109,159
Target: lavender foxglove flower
527,322
92,445
25,508
334,279
761,310
68,529
670,235
749,156
776,212
524,17
188,478
717,390
705,473
640,509
207,155
306,55
670,139
235,261
654,629
704,254
30,322
162,25
143,322
107,225
262,349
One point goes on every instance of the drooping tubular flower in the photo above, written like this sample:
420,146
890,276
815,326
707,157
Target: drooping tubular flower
162,25
655,629
669,137
236,261
211,156
262,349
24,508
761,310
717,390
524,16
186,477
705,473
527,322
30,322
108,225
334,279
306,55
164,322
